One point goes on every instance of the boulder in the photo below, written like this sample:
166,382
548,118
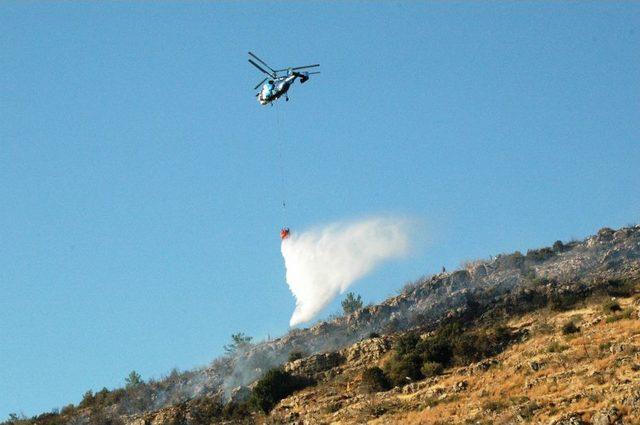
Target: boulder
312,365
460,386
570,419
610,416
459,278
605,234
368,350
479,271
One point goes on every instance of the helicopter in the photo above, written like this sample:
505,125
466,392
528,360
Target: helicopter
278,85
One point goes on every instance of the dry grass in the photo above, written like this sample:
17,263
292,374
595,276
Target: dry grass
589,373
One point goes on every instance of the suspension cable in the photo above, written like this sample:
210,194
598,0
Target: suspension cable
281,164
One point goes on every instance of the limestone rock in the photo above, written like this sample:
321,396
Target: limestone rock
609,416
312,365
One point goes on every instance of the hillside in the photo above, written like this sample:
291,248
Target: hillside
550,336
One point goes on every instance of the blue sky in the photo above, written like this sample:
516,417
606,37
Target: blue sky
140,181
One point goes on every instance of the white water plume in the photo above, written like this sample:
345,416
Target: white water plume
323,262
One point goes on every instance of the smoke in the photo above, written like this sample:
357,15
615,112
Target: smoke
322,263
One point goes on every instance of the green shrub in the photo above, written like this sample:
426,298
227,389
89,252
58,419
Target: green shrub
611,306
68,409
569,328
620,288
562,301
511,261
474,346
556,347
627,313
406,343
539,255
87,399
604,346
239,342
351,303
448,345
430,369
495,405
275,385
134,379
48,419
437,349
374,380
404,369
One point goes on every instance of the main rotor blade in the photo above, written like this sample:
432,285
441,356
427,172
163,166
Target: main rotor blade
262,62
258,66
297,67
260,83
316,72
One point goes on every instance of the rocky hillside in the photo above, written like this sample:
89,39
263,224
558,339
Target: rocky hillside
510,281
550,336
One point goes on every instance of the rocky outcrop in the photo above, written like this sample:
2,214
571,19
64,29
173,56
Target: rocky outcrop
515,281
367,351
505,285
610,416
312,366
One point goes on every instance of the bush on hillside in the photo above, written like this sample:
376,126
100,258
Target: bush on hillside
569,328
404,369
275,385
611,306
374,380
539,255
430,369
239,342
133,380
510,261
351,303
416,358
562,301
620,288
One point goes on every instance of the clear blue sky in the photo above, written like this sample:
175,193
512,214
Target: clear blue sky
140,180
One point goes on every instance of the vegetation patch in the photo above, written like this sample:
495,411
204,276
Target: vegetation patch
556,347
620,287
569,327
374,380
495,406
416,358
275,385
626,314
611,306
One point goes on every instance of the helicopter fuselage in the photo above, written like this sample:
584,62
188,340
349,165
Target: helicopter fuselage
272,91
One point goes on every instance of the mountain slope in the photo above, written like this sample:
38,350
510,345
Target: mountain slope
506,353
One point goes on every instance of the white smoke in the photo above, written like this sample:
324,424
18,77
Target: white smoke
322,263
